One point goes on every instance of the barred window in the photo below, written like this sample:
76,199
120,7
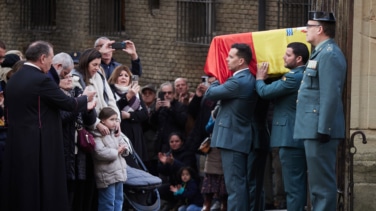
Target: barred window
38,15
293,13
107,18
195,21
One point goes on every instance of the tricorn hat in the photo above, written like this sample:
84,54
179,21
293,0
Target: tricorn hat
75,56
321,16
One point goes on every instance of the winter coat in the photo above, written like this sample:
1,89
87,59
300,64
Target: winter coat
109,165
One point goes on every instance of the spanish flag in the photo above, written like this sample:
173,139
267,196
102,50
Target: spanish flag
267,46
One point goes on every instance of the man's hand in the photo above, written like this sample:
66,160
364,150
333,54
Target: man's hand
90,94
106,47
130,49
201,89
262,71
91,105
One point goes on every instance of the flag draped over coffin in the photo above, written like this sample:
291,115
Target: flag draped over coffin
267,46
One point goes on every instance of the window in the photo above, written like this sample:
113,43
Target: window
195,21
38,15
107,17
293,13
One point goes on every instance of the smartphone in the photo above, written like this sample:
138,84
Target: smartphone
161,95
118,45
135,79
205,80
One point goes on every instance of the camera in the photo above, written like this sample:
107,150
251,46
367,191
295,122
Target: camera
118,45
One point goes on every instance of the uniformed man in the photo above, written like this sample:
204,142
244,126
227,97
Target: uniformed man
284,92
320,121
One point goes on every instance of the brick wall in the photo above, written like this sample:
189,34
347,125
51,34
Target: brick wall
154,34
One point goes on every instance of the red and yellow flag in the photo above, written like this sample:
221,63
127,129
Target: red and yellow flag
267,46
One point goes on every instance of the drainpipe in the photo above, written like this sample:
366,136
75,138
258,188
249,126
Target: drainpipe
261,14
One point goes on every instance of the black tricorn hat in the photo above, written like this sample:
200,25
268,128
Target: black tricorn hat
321,16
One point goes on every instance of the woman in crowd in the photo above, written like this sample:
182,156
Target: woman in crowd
170,163
89,74
132,108
75,158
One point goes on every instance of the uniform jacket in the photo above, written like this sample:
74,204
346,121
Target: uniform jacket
109,165
232,129
319,104
34,171
283,92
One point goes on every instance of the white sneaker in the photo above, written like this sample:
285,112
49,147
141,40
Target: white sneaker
216,206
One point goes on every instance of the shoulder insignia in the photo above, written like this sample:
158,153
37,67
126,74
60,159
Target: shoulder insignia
329,48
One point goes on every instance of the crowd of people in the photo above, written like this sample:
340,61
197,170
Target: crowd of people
45,99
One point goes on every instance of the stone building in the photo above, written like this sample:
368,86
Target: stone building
172,39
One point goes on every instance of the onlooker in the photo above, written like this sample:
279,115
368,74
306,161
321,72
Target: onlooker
170,115
62,65
148,93
109,165
214,182
132,108
75,158
108,63
232,131
89,76
76,58
171,162
182,93
284,93
199,109
188,191
34,142
320,121
17,52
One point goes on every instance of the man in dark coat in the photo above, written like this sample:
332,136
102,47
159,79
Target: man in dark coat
34,173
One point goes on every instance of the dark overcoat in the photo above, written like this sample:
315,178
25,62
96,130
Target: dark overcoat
34,173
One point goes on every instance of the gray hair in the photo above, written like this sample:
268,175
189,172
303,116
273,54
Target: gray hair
97,41
168,83
64,59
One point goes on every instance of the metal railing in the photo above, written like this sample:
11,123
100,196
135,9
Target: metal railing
107,18
38,15
195,21
293,13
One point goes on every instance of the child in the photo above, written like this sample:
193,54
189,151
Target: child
188,192
109,165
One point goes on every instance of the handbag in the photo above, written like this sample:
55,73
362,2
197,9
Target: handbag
85,140
205,146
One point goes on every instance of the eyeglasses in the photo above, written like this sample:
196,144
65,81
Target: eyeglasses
169,93
312,25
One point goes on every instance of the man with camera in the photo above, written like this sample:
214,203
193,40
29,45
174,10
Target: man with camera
108,63
170,115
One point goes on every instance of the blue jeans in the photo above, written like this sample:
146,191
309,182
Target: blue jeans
111,198
191,207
